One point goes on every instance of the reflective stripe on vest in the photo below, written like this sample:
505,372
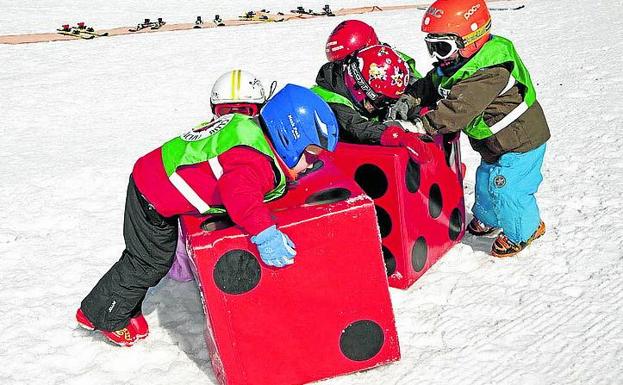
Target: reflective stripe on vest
509,118
216,167
497,51
187,192
509,85
514,114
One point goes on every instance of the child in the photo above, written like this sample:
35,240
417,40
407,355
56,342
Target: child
235,91
228,164
360,90
480,85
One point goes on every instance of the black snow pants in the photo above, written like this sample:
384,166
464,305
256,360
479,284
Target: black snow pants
150,241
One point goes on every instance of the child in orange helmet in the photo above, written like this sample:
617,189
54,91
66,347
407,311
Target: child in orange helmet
480,85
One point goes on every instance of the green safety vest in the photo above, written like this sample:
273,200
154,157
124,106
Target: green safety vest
497,51
208,140
334,97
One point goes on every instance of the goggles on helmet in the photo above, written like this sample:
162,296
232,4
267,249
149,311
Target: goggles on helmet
240,108
443,46
360,81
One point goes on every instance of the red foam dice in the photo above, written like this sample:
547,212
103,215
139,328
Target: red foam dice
420,206
327,314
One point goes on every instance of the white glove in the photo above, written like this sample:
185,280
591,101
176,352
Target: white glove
415,126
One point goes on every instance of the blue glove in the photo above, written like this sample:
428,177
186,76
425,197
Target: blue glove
276,248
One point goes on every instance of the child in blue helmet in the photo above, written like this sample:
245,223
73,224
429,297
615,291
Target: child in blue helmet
233,164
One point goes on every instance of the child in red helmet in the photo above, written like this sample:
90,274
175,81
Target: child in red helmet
230,165
351,36
480,85
360,91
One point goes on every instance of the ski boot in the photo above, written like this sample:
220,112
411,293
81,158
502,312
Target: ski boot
504,247
136,329
477,228
218,21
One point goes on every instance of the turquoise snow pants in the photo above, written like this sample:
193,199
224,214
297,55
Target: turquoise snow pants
505,193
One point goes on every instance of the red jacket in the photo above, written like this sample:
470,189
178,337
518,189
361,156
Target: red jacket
247,176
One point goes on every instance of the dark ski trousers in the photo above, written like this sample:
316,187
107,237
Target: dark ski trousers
150,241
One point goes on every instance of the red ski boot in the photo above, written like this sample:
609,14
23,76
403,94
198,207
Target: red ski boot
122,337
140,324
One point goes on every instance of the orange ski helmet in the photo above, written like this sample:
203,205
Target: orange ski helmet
469,21
349,36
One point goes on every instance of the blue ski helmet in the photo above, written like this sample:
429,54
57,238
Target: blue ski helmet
295,117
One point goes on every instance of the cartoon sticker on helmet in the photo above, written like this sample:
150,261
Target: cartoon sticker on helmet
377,72
382,52
398,78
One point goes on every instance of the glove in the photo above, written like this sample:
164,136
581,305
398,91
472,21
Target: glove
415,126
402,109
390,137
396,136
276,248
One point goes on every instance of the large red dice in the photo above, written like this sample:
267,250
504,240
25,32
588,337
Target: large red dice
327,314
420,206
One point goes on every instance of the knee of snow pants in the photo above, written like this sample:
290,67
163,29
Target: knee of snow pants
150,241
513,181
484,207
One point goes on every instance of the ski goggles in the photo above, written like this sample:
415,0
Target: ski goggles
239,108
443,46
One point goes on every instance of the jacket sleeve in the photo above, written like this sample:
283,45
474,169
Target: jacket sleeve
354,128
467,99
424,90
247,176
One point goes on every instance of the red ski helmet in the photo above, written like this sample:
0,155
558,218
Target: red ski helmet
349,36
467,22
380,73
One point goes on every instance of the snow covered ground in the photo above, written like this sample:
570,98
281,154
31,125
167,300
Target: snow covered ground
75,116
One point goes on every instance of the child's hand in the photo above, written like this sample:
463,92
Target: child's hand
397,137
276,248
403,108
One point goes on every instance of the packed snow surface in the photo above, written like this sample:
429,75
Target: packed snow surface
75,116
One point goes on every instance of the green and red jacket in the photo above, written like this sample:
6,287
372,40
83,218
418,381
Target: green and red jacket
223,165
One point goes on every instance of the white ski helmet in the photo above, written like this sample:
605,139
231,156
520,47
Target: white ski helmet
238,86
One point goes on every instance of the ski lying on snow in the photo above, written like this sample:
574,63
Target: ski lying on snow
260,16
507,8
148,24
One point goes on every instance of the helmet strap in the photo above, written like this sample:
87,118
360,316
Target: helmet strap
353,66
271,90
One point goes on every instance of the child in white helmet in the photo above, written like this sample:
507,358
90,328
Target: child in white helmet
235,91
